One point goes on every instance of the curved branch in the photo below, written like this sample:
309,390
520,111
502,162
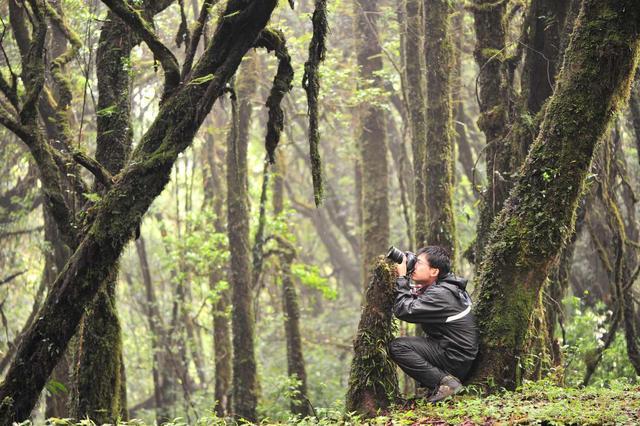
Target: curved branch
142,28
101,173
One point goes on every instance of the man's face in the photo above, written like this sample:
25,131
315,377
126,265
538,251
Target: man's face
424,274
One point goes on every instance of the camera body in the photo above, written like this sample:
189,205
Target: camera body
398,256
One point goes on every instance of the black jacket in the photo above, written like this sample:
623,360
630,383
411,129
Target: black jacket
444,312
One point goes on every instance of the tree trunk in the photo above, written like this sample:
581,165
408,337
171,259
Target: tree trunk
494,95
290,306
414,70
545,22
439,153
114,219
541,62
245,379
98,371
164,385
465,153
55,259
371,137
214,197
540,212
634,106
373,383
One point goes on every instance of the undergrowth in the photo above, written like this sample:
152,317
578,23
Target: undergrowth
534,403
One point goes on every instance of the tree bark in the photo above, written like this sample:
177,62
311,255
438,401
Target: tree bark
98,385
113,221
371,137
540,212
300,404
245,379
634,106
416,87
373,383
493,97
214,196
438,169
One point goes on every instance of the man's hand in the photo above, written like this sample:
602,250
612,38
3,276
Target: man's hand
402,267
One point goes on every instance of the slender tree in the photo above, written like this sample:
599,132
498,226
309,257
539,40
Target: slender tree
413,54
374,204
214,198
438,161
286,253
245,378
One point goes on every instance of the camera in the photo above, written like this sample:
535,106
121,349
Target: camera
397,256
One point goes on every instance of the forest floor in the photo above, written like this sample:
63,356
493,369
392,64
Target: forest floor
536,403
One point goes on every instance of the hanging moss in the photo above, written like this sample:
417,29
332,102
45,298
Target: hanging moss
311,84
273,40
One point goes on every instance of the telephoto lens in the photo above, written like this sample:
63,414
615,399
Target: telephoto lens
395,255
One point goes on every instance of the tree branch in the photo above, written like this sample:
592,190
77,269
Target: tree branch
11,277
33,65
142,28
94,167
197,33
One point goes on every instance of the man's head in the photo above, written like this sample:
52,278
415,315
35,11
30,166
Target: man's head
434,262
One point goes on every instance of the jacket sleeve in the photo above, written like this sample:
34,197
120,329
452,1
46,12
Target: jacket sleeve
431,307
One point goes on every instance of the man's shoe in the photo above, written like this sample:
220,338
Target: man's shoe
423,392
449,385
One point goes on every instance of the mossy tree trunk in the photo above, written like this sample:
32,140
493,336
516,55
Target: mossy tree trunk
544,24
290,303
371,137
494,94
539,215
245,377
97,380
214,197
415,79
55,257
438,162
112,221
634,106
373,383
462,120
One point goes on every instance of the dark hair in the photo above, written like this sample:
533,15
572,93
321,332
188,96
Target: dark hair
438,257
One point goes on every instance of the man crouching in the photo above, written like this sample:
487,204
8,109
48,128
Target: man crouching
438,302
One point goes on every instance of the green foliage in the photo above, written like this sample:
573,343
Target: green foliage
309,275
585,333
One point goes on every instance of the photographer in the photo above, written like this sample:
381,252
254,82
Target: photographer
438,302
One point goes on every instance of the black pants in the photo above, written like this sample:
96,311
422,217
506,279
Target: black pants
424,360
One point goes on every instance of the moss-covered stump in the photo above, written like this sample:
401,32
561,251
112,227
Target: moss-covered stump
373,384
